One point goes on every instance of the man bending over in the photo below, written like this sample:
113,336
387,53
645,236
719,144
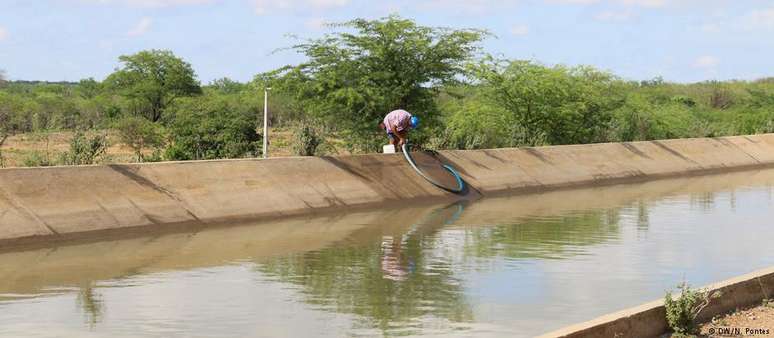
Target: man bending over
397,125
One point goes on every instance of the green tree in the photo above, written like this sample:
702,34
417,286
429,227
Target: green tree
152,80
557,105
139,134
227,86
211,128
352,78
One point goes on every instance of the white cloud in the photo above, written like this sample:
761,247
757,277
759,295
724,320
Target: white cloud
519,30
151,3
710,28
639,3
3,33
328,3
466,7
267,6
614,16
574,2
762,17
644,3
706,61
142,27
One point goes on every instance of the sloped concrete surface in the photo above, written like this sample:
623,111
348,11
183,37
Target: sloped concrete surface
39,204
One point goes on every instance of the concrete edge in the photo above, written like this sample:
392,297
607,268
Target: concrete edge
39,241
649,320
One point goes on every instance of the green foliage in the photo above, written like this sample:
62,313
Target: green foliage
37,159
353,78
211,128
84,149
306,140
358,73
227,86
152,80
471,123
681,313
558,105
139,134
685,100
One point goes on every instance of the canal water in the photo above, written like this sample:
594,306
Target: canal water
512,266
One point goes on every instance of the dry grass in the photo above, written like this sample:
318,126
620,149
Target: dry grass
19,148
754,322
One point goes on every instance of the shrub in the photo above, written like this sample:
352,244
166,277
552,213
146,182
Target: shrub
681,313
684,100
211,128
139,133
306,140
37,159
85,150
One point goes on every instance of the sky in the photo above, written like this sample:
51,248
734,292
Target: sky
679,40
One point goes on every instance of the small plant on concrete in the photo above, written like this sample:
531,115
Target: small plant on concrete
681,313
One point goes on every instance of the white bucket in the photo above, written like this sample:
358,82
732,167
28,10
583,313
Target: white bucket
389,149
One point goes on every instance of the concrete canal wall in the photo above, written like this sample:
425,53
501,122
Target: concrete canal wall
39,204
649,320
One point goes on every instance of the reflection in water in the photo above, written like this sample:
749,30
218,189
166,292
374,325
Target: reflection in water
516,266
91,303
396,279
389,281
546,237
703,201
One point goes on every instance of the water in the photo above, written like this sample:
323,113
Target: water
516,266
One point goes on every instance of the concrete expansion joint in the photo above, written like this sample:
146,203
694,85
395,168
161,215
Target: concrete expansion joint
204,192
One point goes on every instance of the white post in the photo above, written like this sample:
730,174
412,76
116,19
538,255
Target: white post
266,122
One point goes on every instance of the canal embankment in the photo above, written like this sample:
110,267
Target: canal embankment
43,204
649,320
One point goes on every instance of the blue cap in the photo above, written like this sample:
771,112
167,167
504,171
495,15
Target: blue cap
414,122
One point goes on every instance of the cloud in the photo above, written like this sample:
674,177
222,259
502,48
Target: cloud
142,27
762,17
614,16
574,2
638,3
644,3
710,28
706,62
519,30
151,3
268,6
3,33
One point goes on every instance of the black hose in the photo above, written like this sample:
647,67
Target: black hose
460,183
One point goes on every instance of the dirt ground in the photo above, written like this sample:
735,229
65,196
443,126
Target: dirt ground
18,149
754,322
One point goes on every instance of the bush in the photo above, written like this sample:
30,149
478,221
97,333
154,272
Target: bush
139,133
37,159
681,313
85,150
306,140
211,128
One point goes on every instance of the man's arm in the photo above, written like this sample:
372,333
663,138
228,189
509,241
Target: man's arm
401,135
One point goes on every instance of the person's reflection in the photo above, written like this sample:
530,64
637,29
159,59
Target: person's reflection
395,266
396,263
